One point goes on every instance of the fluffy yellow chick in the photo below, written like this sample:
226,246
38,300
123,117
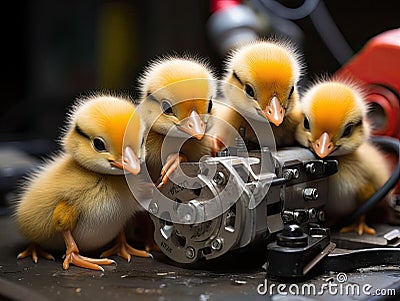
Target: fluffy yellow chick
176,100
81,198
334,124
260,83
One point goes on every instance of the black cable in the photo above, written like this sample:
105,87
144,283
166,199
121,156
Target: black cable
330,34
285,12
322,21
393,144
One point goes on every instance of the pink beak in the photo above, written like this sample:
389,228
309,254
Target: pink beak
193,126
128,162
323,146
274,111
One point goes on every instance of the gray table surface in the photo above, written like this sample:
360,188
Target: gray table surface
158,279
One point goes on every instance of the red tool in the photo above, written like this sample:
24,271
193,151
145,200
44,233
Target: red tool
377,68
216,5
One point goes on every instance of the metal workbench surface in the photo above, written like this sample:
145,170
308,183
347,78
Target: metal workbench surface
237,277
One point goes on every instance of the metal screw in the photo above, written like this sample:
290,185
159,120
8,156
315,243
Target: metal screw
310,194
287,216
312,213
219,178
300,216
190,252
296,217
153,208
289,174
311,168
217,244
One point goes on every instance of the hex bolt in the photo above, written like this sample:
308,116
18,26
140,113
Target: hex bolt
300,216
310,194
288,216
219,178
311,168
217,244
153,208
190,252
312,213
289,174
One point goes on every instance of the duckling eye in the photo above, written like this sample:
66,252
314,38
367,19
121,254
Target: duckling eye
166,107
99,144
249,90
210,105
306,123
348,130
291,92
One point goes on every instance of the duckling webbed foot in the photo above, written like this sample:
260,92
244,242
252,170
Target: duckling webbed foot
123,249
72,256
35,251
360,227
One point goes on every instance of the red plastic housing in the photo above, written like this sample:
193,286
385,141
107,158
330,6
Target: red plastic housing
216,5
377,68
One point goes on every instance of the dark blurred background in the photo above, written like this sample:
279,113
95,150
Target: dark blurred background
55,51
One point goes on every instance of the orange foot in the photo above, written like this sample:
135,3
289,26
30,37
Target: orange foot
360,227
72,256
123,249
34,250
173,161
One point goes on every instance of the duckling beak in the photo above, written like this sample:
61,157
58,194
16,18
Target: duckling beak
128,161
193,125
323,146
274,111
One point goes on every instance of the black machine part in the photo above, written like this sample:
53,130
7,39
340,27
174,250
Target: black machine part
297,242
302,251
299,250
239,203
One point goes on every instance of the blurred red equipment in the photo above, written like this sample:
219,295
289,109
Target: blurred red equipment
377,68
